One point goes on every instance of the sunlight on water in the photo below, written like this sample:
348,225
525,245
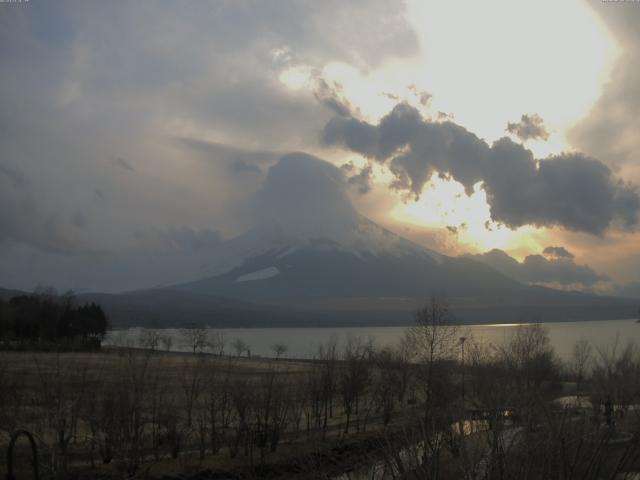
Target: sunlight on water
304,342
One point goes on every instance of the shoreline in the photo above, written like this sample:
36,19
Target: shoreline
369,325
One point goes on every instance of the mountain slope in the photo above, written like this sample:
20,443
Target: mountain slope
313,251
289,274
365,279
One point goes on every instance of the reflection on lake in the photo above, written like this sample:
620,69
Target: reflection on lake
304,342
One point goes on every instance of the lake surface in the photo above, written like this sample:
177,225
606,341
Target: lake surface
304,342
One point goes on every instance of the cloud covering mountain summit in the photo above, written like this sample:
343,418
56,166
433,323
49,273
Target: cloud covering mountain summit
307,197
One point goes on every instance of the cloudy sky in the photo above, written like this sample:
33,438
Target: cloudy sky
135,137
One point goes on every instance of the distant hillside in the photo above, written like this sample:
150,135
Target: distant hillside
166,307
6,294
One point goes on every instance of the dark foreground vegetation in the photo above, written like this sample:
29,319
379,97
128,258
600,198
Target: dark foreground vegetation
45,320
439,406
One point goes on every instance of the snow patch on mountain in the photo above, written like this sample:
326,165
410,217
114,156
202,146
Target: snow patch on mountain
370,237
286,252
362,238
262,274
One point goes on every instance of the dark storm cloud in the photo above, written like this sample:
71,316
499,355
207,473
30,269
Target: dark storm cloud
333,98
570,190
538,269
557,252
530,127
361,181
358,180
354,134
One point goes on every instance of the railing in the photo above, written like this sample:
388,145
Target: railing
34,453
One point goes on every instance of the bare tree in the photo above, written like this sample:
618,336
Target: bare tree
126,402
12,389
158,399
529,356
192,379
196,337
616,375
270,410
167,342
327,354
279,349
314,392
220,405
387,383
215,404
217,343
239,346
580,362
241,392
354,376
434,339
62,386
149,338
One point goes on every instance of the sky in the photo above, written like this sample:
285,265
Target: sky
135,138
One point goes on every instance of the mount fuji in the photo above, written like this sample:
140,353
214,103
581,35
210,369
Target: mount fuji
313,259
365,262
314,248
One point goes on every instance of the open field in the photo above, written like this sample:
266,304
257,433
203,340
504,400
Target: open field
415,412
127,411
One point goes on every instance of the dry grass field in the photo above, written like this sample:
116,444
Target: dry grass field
135,412
414,412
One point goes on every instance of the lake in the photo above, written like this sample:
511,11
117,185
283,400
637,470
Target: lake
304,342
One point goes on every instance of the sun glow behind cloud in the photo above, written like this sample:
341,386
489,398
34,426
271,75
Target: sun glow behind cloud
445,203
485,64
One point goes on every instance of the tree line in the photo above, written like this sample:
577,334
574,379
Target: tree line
45,319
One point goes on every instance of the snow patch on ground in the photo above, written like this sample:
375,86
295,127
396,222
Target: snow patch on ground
258,275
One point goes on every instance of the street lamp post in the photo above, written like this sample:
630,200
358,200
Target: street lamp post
462,341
